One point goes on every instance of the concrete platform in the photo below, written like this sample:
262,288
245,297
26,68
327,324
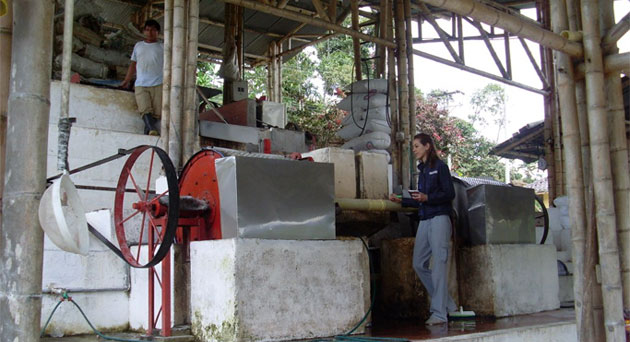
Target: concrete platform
277,290
508,280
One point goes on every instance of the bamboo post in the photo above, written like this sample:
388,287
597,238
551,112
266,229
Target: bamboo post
590,287
614,32
380,49
619,156
166,76
22,239
393,100
229,52
574,180
602,174
64,120
177,84
356,44
190,117
403,90
6,27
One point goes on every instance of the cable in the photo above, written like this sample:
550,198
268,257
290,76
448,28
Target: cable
64,296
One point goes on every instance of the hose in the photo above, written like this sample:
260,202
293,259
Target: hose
64,297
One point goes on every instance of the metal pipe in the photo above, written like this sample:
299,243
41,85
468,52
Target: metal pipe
618,155
64,121
519,26
166,76
260,7
602,175
22,239
371,205
177,82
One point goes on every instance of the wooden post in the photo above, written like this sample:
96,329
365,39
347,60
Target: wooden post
572,149
618,155
166,76
403,89
356,44
602,174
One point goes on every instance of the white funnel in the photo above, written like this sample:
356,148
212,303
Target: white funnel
62,216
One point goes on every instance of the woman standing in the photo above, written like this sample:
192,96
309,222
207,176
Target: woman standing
433,200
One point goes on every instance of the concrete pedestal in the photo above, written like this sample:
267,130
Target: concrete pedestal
273,290
507,280
401,294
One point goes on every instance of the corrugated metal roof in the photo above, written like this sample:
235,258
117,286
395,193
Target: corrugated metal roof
121,12
527,144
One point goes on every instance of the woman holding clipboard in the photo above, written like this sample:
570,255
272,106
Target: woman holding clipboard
433,200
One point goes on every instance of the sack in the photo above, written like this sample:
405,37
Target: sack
377,85
354,130
356,102
359,116
370,141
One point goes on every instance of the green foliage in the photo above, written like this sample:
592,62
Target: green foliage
323,125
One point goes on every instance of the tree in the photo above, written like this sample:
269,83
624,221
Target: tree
489,102
468,149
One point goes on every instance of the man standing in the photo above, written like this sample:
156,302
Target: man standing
147,62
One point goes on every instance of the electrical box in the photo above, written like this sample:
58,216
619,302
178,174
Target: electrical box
239,90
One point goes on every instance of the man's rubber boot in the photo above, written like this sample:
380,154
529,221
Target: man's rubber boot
149,125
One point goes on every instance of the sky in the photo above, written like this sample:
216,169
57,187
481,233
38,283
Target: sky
522,106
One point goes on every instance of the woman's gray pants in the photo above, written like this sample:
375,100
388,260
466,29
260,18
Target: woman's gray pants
433,239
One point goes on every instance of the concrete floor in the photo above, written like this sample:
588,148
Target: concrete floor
416,331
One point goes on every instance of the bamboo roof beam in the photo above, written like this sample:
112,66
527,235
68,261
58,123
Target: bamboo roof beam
256,6
248,29
616,32
321,12
612,63
218,49
304,46
426,13
514,24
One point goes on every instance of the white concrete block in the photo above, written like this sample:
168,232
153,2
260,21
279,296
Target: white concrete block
506,280
98,270
345,170
138,309
373,183
106,310
97,108
272,290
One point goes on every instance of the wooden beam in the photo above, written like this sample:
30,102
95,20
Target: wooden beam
332,10
256,6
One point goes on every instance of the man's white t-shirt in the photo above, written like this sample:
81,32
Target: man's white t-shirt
149,58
